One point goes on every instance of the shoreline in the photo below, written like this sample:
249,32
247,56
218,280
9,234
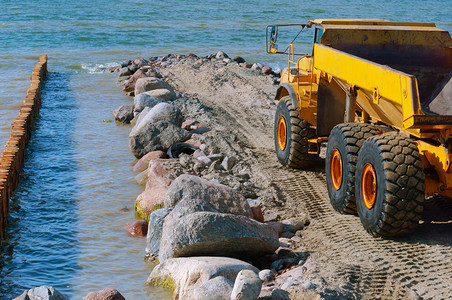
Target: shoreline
216,157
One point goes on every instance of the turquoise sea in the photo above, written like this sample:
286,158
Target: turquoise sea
66,217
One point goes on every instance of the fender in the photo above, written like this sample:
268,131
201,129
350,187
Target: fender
288,90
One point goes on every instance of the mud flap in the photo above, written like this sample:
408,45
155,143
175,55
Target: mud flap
330,106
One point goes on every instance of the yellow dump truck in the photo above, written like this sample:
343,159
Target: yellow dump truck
380,93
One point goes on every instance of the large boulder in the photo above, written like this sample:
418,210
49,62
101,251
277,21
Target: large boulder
151,83
247,286
124,113
41,293
139,116
186,275
129,86
155,228
164,94
215,234
161,112
156,136
144,100
125,71
218,288
137,228
143,163
105,294
159,179
222,198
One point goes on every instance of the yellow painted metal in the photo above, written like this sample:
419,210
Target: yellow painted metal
394,104
318,140
440,158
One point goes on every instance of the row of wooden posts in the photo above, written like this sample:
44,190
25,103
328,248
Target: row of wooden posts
13,156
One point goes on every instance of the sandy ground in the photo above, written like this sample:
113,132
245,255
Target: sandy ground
342,257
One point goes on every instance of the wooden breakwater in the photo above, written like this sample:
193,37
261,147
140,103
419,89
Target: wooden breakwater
13,155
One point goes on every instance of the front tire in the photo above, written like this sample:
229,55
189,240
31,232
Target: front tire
344,143
291,134
390,185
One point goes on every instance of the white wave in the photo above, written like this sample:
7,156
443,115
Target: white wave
98,68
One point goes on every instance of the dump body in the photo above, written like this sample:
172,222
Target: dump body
379,72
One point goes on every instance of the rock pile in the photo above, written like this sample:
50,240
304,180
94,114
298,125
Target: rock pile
201,201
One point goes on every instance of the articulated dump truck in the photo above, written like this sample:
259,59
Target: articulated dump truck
380,94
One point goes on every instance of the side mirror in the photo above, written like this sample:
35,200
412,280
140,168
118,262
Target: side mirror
273,38
273,34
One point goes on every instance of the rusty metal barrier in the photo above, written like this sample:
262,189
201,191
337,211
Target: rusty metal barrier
13,155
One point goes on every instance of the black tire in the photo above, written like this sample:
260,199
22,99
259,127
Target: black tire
399,197
298,132
177,148
347,138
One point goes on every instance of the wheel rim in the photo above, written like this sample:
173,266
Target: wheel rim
282,133
336,169
369,186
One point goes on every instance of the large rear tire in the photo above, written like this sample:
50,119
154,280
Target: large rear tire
344,143
291,136
390,185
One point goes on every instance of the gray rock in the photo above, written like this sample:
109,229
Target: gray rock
141,62
143,100
221,55
163,94
151,83
215,157
256,67
124,113
142,177
45,293
247,286
156,136
129,86
218,288
218,196
307,285
279,294
155,231
185,160
293,224
198,153
228,163
134,67
210,233
138,116
22,296
291,282
125,72
283,263
239,59
215,166
105,294
204,160
161,112
125,63
267,70
185,275
266,275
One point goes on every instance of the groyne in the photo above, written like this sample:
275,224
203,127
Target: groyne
13,155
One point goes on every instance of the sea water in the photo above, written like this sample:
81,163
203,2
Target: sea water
77,189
